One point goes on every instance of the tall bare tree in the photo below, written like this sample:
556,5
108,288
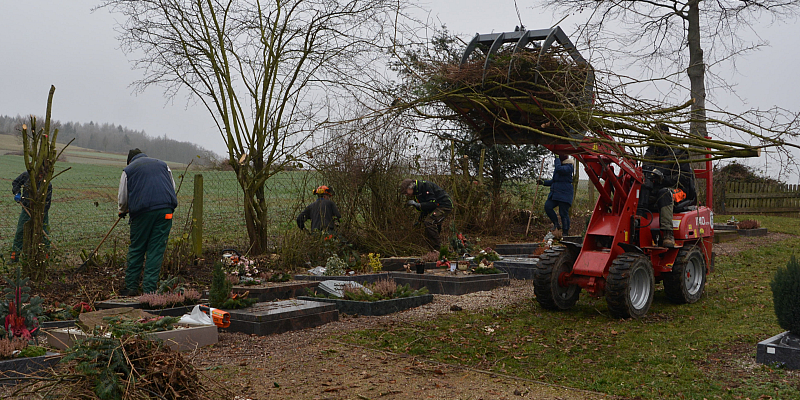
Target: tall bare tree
265,70
668,38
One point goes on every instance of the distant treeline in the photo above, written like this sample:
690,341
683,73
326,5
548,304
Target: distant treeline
118,139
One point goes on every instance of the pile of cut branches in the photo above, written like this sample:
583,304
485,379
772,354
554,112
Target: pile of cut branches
526,86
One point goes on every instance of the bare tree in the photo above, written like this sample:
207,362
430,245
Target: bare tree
265,70
666,38
40,155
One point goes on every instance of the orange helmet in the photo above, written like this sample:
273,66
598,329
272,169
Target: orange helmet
322,190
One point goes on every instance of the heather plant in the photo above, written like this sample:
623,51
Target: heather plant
381,290
171,299
9,346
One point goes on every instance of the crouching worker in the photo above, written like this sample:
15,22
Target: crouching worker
433,203
147,192
323,213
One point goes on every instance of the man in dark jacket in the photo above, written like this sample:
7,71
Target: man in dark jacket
323,213
561,194
147,192
668,179
21,187
433,203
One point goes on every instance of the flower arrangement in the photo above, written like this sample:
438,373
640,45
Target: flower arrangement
374,262
239,269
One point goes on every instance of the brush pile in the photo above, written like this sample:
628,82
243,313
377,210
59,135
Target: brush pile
548,92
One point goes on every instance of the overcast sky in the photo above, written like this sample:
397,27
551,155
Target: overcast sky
59,42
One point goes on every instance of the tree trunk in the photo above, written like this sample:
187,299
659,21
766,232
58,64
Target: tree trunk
696,71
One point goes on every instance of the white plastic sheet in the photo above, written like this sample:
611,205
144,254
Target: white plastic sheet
196,317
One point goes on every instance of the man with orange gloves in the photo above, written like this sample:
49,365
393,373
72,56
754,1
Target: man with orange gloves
147,192
668,181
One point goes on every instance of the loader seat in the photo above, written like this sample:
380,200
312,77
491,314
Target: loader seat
685,205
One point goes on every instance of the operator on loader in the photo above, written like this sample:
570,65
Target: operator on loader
667,183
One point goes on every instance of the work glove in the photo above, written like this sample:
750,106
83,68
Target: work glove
18,197
414,204
122,215
539,182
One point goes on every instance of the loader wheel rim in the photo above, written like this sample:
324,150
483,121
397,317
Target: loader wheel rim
693,276
639,292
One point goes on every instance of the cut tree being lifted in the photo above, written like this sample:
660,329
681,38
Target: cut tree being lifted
541,90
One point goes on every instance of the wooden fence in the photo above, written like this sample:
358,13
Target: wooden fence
761,198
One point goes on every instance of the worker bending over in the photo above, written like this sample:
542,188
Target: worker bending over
433,203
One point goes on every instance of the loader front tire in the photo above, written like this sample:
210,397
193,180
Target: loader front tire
687,281
630,286
549,294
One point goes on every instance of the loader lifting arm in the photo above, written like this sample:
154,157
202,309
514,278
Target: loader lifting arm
620,256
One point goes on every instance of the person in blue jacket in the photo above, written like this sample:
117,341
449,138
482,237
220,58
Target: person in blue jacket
561,194
147,192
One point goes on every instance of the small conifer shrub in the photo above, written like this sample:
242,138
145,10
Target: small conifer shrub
786,296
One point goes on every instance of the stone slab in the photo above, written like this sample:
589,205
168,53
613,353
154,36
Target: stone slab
397,263
25,367
186,339
451,284
753,232
725,227
282,316
518,267
779,350
725,236
276,291
381,307
510,249
57,324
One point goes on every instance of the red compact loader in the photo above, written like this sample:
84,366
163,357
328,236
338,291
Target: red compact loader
620,256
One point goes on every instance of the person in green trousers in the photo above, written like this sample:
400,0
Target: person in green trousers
20,187
147,192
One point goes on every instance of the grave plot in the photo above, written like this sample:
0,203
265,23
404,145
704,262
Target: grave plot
445,282
380,307
517,267
132,302
361,278
26,367
281,316
782,349
276,291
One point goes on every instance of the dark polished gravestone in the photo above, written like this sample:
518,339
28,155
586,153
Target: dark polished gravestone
518,267
753,232
381,307
281,316
782,349
276,290
516,249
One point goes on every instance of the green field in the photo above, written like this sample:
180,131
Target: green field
84,205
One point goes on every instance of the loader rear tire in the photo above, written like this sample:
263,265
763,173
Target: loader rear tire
687,281
548,293
630,286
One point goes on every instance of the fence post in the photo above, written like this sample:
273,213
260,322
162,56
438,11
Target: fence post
197,216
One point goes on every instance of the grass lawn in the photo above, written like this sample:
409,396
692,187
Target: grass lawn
702,350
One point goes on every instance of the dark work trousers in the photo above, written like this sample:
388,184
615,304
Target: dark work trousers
660,202
149,234
24,217
563,211
433,225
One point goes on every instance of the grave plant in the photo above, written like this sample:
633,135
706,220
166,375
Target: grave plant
785,287
221,296
20,315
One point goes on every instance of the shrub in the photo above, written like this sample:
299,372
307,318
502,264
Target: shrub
749,224
335,266
786,296
220,287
